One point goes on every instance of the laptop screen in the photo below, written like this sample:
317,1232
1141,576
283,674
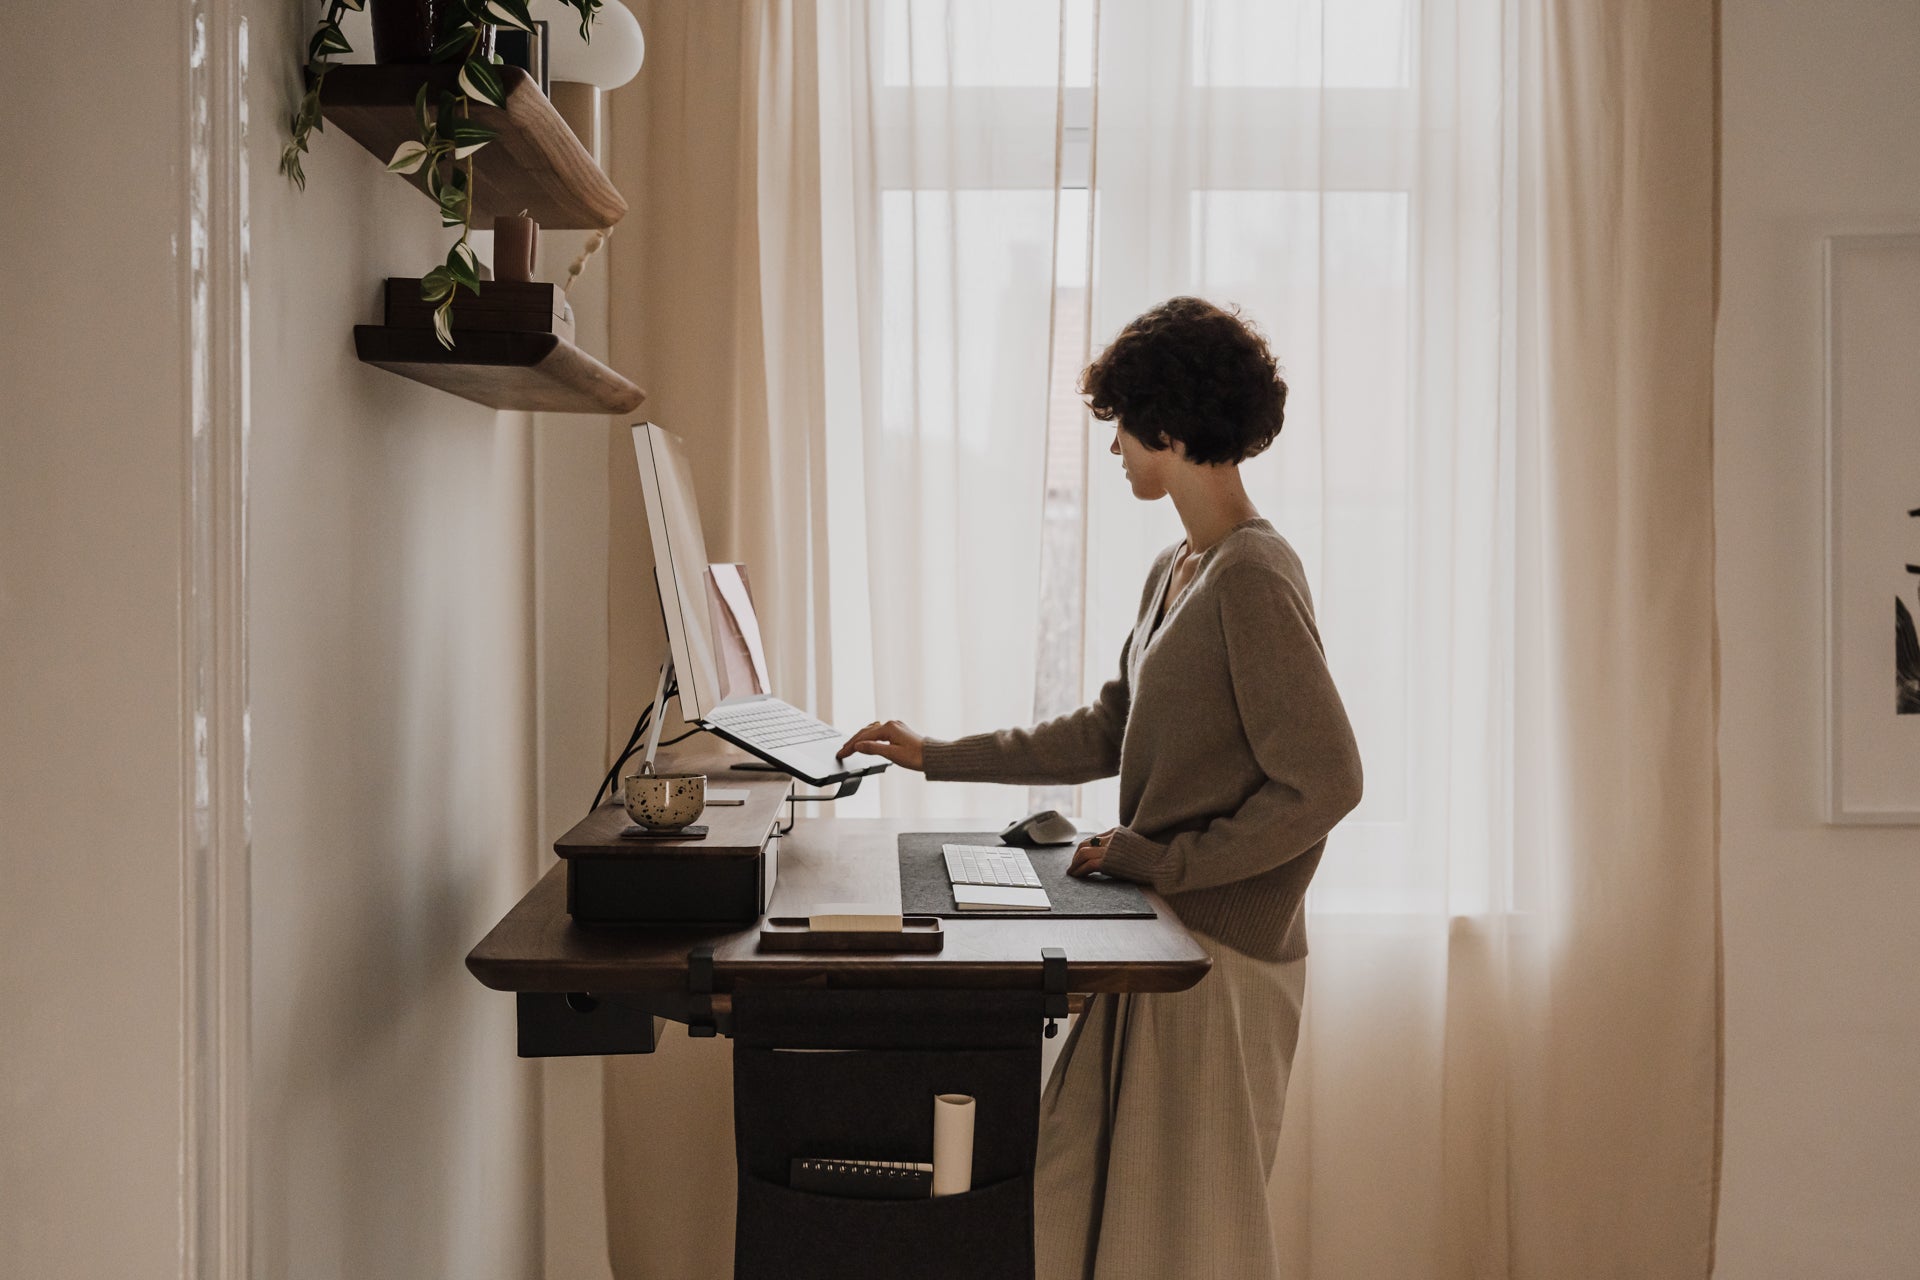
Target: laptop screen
737,651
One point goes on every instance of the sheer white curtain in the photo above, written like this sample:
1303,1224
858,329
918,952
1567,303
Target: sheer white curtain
939,127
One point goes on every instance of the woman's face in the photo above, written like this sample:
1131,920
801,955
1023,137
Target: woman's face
1146,469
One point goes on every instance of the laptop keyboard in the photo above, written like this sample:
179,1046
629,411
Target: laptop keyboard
771,724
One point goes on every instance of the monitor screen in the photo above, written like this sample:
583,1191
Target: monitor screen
680,569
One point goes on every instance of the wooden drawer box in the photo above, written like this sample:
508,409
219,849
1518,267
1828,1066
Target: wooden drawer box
725,877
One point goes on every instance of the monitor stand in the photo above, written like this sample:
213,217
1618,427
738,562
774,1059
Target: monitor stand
660,696
659,715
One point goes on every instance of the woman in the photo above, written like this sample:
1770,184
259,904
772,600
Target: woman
1162,1115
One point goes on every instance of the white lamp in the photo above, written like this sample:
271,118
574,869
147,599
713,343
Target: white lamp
611,59
579,69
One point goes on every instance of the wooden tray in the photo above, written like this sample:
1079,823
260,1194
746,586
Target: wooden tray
793,933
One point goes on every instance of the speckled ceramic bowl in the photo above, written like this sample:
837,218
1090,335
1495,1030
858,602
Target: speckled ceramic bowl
665,801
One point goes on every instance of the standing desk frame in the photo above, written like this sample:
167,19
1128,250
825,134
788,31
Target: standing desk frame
966,1019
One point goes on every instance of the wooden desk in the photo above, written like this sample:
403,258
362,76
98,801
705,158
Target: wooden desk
965,1019
538,948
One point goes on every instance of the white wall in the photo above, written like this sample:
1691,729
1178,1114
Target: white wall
93,476
428,635
1822,1158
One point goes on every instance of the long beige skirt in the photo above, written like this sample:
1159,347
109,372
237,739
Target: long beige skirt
1159,1126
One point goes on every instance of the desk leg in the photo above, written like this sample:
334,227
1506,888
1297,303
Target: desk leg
871,1096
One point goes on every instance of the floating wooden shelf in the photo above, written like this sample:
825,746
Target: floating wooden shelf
542,372
536,163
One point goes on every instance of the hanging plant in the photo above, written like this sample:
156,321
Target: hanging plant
328,41
449,137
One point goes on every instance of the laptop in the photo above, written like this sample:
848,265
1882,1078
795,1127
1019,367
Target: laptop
714,636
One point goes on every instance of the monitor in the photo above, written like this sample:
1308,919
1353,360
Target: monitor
680,569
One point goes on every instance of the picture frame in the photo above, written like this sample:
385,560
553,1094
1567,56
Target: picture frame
1872,300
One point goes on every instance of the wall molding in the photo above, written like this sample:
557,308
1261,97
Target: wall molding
216,845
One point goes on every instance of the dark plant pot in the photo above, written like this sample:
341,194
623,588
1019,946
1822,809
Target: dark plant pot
403,30
406,31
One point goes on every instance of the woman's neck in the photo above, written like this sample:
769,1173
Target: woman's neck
1211,501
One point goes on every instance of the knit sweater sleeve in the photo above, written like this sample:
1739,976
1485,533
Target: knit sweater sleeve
1077,747
1298,731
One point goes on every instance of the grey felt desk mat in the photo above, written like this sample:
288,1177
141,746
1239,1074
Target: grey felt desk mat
924,890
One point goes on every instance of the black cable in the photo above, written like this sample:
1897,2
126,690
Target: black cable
639,727
609,785
634,750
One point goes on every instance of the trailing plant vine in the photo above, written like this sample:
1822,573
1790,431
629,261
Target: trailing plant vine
327,41
449,136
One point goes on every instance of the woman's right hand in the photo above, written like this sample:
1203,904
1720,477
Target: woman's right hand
890,740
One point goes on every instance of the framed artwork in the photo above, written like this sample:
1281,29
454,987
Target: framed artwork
1873,528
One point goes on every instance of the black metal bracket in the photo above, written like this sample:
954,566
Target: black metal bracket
846,788
701,1021
1053,981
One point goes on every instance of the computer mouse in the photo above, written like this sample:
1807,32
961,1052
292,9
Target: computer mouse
1048,826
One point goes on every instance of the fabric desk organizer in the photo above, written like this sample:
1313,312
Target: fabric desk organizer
854,1074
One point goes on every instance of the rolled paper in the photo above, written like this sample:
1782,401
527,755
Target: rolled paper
952,1144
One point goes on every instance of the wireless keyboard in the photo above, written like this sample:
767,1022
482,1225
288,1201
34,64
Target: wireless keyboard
993,878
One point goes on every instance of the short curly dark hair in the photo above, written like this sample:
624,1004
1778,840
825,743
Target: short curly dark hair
1187,370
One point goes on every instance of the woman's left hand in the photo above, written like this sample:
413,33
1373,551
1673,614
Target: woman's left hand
1087,858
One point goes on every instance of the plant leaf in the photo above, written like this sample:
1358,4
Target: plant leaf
436,285
463,266
469,137
589,10
328,39
408,157
477,80
466,131
355,5
453,207
443,323
454,46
